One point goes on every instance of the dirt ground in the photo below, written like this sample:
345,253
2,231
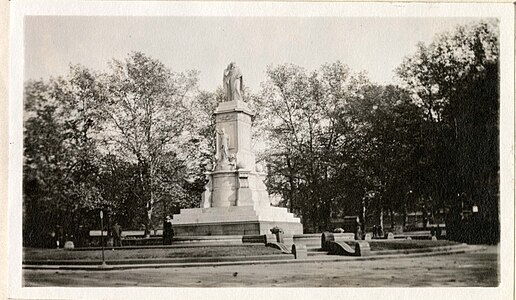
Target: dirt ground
468,269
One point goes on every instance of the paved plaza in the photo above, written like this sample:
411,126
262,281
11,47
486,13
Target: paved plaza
468,269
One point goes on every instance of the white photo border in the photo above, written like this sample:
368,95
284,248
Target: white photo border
503,11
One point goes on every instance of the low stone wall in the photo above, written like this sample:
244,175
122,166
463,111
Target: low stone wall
327,237
142,241
299,251
220,239
128,233
311,241
350,248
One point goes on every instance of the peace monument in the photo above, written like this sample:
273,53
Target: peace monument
235,200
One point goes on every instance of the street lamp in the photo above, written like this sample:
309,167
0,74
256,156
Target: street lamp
103,265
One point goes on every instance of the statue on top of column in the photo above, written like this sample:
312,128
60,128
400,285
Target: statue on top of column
233,83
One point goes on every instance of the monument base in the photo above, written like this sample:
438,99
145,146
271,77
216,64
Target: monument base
234,220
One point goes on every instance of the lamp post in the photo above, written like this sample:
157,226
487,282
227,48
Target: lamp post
476,224
103,265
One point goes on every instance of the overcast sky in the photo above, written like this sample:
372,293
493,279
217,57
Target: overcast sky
208,44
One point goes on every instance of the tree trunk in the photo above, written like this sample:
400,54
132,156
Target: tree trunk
291,181
405,216
381,217
425,215
150,205
391,216
363,214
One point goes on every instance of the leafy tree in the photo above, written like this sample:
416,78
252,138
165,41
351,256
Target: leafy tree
339,144
455,79
135,141
147,120
306,133
60,163
128,142
388,147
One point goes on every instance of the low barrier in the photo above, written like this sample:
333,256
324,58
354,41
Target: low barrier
310,241
327,237
280,246
360,248
299,251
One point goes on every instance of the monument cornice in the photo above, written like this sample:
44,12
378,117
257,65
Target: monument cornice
242,171
233,106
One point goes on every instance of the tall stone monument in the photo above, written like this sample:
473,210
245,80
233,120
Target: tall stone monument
235,200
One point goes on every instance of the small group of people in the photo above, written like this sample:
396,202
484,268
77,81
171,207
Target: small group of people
377,231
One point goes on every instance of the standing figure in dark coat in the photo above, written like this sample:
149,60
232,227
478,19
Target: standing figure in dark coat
117,235
168,232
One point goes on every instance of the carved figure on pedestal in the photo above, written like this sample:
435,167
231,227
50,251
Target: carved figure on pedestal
232,161
223,145
232,82
206,195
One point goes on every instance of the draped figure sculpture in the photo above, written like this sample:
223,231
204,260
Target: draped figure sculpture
223,145
233,83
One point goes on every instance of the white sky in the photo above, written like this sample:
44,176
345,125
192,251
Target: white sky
208,44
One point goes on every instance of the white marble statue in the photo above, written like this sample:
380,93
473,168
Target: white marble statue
223,141
233,83
206,195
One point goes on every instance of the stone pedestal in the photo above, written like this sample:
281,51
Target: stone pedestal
235,200
234,220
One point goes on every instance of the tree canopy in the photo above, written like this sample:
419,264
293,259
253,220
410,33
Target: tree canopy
456,80
134,141
121,141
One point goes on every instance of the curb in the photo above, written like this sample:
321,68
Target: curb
329,258
153,261
422,250
177,245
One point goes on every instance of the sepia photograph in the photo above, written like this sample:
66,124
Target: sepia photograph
273,145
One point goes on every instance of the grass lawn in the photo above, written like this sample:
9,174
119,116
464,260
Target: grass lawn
251,250
60,254
378,245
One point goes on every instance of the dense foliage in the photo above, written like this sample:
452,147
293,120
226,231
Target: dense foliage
340,144
134,141
131,142
456,81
